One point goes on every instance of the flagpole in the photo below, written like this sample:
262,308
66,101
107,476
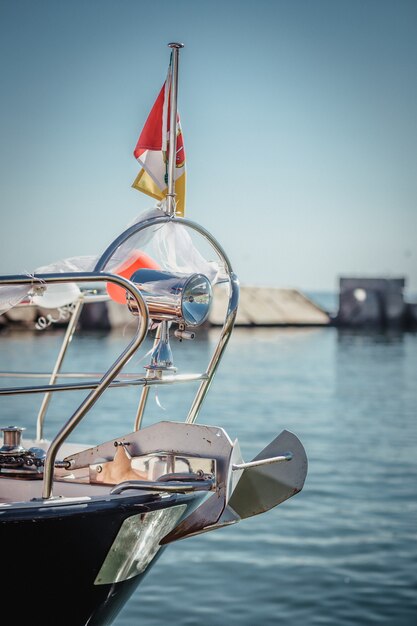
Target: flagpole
175,47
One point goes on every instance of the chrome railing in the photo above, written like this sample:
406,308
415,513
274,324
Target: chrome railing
231,309
113,377
108,377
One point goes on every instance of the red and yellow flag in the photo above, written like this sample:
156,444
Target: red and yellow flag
152,151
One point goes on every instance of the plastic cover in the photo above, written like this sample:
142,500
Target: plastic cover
170,243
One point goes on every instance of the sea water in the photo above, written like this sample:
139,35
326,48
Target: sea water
341,552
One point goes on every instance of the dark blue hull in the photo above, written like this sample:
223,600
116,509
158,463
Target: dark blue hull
52,557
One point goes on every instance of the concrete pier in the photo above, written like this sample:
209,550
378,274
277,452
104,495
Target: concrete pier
258,306
269,306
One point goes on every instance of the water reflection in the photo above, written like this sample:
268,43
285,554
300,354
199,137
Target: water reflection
348,336
342,552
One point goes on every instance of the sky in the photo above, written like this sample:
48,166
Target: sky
299,120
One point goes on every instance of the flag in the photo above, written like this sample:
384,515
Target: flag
152,150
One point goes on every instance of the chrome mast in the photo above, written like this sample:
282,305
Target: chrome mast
171,195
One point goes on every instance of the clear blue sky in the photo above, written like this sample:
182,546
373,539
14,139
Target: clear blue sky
299,121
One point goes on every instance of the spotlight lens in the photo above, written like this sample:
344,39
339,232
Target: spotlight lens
175,297
196,300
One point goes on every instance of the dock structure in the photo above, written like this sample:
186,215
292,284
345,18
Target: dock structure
258,306
270,306
363,303
373,302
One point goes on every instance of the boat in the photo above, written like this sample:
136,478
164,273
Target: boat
82,523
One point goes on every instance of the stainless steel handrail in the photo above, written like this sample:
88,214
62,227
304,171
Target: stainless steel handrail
231,309
108,377
154,221
93,384
127,375
85,298
69,333
221,345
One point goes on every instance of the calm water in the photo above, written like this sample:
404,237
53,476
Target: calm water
344,550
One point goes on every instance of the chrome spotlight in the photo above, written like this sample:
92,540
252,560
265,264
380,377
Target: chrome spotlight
181,298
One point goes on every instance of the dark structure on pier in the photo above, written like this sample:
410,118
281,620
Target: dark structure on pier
374,302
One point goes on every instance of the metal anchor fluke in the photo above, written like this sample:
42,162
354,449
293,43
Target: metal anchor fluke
267,480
